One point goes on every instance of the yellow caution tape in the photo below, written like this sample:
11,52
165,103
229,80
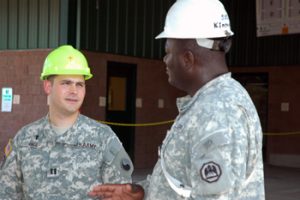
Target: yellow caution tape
283,133
171,121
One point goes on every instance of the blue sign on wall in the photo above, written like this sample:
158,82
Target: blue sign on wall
7,98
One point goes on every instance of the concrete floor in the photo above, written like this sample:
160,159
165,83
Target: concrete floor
281,183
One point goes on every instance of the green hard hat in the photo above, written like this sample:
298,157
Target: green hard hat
66,60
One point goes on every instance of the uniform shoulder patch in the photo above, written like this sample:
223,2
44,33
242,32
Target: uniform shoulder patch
8,148
210,172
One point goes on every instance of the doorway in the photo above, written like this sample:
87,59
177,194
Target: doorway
121,95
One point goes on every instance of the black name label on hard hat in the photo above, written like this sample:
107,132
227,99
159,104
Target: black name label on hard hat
221,25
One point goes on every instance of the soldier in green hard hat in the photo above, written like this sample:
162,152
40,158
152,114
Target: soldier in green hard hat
64,154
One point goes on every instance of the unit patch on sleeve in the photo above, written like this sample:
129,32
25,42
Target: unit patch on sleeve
210,172
8,148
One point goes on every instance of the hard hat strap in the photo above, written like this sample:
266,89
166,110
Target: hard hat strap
204,42
223,44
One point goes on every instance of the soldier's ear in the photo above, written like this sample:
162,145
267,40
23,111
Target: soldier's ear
47,86
188,59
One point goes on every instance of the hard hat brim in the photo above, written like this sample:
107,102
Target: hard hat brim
161,35
165,34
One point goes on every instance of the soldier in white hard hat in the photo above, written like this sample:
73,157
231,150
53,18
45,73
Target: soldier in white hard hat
213,151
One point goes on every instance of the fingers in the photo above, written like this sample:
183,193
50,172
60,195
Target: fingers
105,191
104,196
100,195
106,187
134,188
117,192
102,192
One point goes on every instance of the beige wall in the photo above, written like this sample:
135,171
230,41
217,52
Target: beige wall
21,69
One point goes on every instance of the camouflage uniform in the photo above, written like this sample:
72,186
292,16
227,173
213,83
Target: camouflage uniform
214,147
44,165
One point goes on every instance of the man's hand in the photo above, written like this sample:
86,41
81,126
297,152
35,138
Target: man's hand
117,192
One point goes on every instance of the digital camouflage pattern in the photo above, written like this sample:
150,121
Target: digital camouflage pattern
44,165
214,146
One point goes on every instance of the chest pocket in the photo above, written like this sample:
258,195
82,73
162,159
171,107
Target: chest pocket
76,161
175,152
33,160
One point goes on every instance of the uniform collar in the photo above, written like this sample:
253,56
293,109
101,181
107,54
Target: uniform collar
184,103
68,137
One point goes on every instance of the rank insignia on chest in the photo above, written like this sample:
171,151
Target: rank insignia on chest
8,148
53,172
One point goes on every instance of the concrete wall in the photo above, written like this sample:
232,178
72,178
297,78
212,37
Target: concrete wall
21,69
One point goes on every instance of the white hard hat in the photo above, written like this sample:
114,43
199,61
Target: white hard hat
199,19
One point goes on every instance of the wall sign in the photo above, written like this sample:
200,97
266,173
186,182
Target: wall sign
277,17
7,98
